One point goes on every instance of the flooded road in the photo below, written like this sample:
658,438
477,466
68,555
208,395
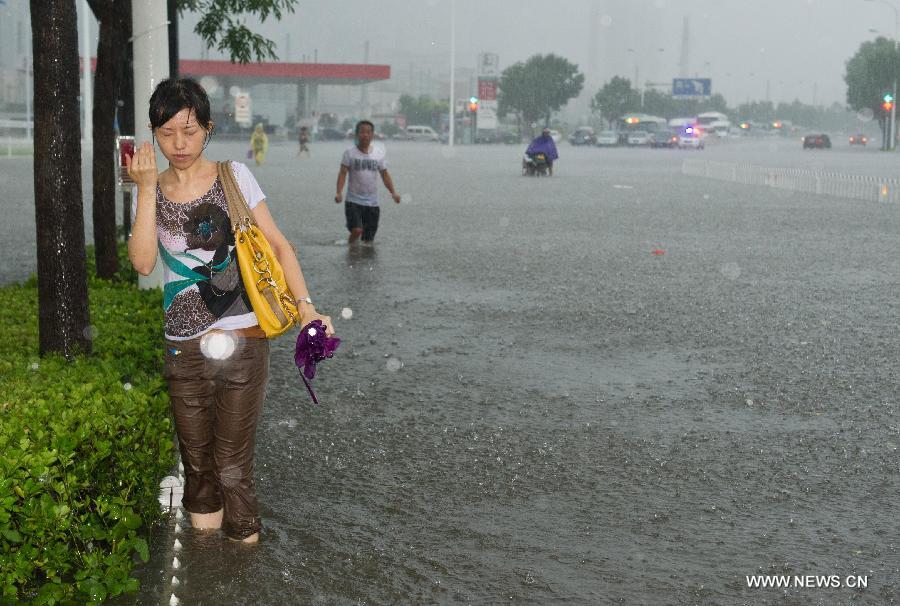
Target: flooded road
619,385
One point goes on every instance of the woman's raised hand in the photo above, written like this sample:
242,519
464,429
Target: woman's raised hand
142,167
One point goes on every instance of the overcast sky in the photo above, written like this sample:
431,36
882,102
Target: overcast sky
798,47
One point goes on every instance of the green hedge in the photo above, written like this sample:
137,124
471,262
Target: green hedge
83,445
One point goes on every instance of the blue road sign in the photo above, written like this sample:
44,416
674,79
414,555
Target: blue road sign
691,87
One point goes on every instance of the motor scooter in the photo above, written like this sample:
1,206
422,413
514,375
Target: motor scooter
535,165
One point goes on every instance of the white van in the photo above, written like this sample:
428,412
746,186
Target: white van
421,133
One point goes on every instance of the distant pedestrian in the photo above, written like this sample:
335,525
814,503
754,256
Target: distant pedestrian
259,144
304,141
363,163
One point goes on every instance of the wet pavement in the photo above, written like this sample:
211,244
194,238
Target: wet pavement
620,385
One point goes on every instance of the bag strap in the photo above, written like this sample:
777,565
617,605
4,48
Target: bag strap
238,209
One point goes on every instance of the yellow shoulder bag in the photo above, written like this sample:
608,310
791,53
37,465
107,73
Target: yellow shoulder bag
263,277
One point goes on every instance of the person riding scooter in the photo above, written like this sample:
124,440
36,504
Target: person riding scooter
545,145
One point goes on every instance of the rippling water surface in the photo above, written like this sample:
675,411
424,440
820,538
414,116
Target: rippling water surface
531,407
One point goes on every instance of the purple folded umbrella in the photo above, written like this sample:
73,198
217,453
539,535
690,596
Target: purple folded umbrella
313,345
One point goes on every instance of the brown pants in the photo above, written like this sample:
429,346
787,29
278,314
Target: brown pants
216,405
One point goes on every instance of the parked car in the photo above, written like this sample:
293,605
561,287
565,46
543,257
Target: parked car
819,141
491,136
638,137
858,139
583,135
607,138
663,139
420,133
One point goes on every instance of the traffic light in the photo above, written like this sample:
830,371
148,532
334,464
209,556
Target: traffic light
473,104
888,102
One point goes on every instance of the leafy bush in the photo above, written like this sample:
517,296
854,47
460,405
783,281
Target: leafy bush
84,445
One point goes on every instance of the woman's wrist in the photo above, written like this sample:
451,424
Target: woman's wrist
305,309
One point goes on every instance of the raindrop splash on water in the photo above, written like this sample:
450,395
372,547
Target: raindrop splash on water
217,345
606,20
90,332
731,270
504,221
393,364
346,313
406,198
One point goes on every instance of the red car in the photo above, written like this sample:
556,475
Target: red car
858,140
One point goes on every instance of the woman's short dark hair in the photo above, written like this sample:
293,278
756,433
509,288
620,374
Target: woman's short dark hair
173,95
361,123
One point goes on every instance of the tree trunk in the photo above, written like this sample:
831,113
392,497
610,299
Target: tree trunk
63,317
126,99
172,10
107,83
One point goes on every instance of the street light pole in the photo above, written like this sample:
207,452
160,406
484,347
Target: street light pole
637,72
452,73
87,104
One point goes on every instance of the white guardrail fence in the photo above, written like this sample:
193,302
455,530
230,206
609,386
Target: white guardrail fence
857,187
22,142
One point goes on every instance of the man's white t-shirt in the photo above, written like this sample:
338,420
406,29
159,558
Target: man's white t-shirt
365,170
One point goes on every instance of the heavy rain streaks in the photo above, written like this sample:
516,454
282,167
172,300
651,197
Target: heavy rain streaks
530,403
657,372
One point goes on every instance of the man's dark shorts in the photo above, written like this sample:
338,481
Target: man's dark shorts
362,216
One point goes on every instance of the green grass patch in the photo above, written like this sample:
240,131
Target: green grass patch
83,443
6,152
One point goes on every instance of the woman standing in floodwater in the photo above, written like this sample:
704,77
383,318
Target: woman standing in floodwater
216,356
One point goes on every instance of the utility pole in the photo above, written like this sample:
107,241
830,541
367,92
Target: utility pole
87,104
452,71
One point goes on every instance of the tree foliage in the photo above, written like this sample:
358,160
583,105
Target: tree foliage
834,116
424,110
538,87
616,98
668,106
222,25
871,72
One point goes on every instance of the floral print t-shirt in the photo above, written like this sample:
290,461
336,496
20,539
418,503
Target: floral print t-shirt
202,286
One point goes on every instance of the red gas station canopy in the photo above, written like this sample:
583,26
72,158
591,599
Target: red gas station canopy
278,73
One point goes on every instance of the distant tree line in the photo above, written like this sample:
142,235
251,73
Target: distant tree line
423,110
870,73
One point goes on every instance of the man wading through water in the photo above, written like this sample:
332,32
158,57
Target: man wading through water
363,162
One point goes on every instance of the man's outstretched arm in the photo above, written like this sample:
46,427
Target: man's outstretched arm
389,184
